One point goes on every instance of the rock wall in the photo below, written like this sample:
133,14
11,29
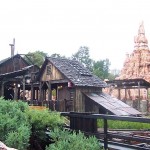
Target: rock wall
136,66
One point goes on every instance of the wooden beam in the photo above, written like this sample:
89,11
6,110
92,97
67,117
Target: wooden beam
49,90
125,94
119,94
139,95
2,90
105,135
40,89
32,92
37,94
23,87
16,93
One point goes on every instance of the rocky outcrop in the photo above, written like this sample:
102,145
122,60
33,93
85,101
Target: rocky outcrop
4,147
137,64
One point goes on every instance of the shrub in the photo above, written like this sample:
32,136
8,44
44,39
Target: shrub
14,125
64,139
19,138
114,124
40,121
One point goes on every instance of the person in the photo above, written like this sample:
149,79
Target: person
11,93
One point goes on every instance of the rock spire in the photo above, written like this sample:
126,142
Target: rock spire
137,64
140,40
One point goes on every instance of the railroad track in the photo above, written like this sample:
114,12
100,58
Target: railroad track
124,140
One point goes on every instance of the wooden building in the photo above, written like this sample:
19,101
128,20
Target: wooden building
77,89
61,84
70,80
16,76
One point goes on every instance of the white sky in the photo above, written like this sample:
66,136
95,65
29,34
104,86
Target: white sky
107,27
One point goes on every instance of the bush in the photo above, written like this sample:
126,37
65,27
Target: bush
14,125
64,139
19,138
21,126
40,121
114,124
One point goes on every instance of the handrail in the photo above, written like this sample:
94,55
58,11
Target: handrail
108,117
105,118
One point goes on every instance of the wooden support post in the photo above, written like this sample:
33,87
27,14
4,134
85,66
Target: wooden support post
49,91
23,87
57,102
57,92
44,95
16,93
2,90
40,89
139,95
119,94
105,135
147,93
147,99
125,95
37,95
32,93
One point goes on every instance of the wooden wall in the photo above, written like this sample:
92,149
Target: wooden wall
55,74
14,64
79,103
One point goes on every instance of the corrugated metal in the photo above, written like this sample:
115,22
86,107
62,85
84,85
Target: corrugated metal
115,106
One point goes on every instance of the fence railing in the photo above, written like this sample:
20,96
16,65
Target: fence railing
58,105
87,122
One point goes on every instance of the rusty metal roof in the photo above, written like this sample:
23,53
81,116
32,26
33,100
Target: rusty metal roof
114,105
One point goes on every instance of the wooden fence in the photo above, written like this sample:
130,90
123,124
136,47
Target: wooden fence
58,105
87,122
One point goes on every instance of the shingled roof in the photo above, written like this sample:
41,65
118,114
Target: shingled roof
76,72
9,58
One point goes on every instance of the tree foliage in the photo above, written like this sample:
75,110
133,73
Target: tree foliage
55,55
101,68
82,55
37,57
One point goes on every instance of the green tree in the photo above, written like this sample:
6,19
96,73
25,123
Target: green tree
114,73
101,68
57,55
82,55
111,76
36,58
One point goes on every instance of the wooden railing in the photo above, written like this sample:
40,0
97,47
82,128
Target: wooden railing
87,122
58,105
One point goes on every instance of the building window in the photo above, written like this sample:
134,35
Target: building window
48,69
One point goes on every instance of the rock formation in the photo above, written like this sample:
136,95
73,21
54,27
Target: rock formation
137,64
4,147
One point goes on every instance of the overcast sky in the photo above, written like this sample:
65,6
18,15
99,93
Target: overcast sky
107,27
